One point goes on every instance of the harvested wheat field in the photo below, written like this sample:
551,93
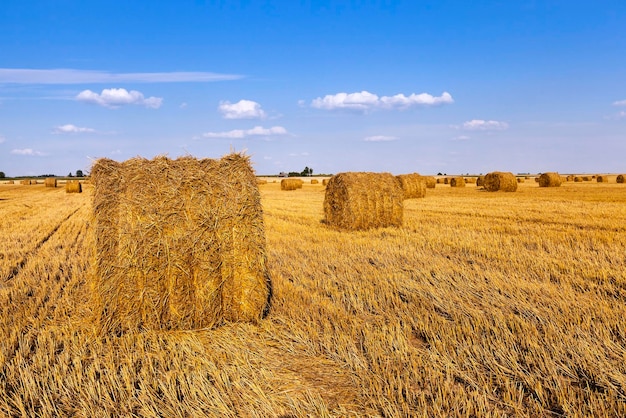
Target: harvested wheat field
480,304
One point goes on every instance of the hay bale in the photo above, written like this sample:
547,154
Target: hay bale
180,244
439,181
620,178
73,186
500,181
569,178
480,181
413,185
358,201
261,181
50,182
430,181
457,182
586,178
602,179
577,179
536,179
520,180
551,179
324,182
470,180
11,182
291,184
314,181
446,180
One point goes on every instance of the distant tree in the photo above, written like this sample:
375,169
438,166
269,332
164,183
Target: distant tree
79,173
2,175
307,172
70,175
294,174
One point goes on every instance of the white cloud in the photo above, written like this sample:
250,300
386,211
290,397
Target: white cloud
241,133
365,100
73,129
619,103
71,76
243,109
183,105
461,138
485,125
379,138
26,151
114,98
2,139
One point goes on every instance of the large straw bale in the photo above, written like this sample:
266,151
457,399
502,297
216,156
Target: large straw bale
500,181
291,184
73,186
359,200
180,244
602,179
620,178
551,179
413,185
50,182
457,182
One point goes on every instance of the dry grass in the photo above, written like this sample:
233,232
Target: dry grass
481,304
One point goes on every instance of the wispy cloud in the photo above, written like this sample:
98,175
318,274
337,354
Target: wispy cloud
619,103
379,138
73,76
114,98
365,100
26,151
243,109
461,138
72,129
299,154
484,125
241,133
2,139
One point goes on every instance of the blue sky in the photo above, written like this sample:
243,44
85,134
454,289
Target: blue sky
336,85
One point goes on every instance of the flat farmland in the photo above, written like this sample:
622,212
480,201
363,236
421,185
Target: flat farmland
480,305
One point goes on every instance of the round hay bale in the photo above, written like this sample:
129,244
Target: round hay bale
471,180
324,182
446,180
73,186
261,181
439,181
50,182
457,182
577,179
359,201
179,244
620,178
536,179
430,181
520,180
586,178
11,182
569,178
413,185
500,181
480,181
314,181
291,184
551,179
602,179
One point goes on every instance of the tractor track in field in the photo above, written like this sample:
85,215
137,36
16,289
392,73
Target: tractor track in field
13,272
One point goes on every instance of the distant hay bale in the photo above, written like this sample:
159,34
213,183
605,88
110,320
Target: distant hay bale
586,178
50,182
439,181
457,182
569,178
577,179
179,244
73,186
602,179
521,180
11,182
471,180
290,184
314,181
551,179
430,181
620,178
480,181
446,180
536,179
261,181
413,185
500,181
325,182
358,201
24,182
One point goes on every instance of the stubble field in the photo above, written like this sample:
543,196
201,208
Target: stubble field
481,304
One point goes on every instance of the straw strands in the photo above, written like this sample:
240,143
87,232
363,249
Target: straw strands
413,185
180,244
361,200
551,179
291,184
500,181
